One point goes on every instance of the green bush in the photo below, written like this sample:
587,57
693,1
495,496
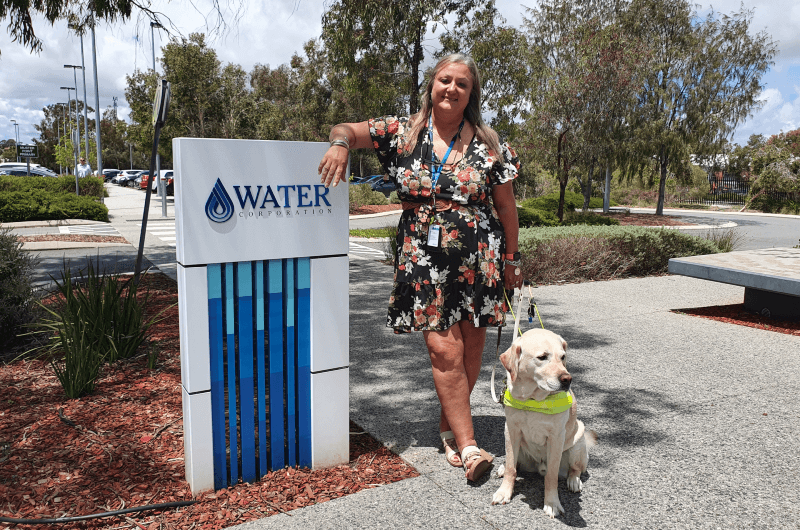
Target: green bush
572,201
532,217
393,198
582,253
89,186
17,307
42,205
363,195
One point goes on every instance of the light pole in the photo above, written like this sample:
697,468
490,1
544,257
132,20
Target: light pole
78,30
16,137
69,109
97,111
161,189
77,118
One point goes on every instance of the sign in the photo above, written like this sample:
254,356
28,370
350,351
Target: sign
28,151
262,270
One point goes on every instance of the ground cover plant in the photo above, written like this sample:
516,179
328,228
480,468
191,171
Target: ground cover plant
123,446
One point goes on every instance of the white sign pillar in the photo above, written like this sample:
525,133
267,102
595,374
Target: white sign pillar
263,304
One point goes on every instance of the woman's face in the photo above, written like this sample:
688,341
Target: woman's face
451,89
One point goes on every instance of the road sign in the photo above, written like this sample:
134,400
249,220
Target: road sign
28,151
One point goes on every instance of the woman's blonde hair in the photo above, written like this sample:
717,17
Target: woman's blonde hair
472,113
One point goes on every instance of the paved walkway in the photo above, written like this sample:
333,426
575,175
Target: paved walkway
696,418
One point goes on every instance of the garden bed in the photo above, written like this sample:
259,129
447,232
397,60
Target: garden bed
122,447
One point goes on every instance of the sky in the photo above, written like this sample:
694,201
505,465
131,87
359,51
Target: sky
271,31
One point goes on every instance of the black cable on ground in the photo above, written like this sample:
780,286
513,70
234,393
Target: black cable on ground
162,506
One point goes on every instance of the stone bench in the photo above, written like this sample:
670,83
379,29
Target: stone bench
770,277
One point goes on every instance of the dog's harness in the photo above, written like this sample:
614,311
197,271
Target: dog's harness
552,404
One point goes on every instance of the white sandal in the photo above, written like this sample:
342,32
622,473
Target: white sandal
452,455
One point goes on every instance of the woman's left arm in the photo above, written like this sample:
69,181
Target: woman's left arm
506,206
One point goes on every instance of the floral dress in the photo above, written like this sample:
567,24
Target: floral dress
435,288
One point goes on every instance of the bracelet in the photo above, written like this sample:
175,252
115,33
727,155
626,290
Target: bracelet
513,263
341,143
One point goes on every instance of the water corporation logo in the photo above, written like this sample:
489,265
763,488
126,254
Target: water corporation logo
294,200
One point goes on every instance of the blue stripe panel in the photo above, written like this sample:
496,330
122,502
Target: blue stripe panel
291,362
214,282
275,329
230,329
303,327
246,390
261,395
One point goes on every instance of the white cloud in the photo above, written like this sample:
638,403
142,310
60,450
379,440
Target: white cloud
777,114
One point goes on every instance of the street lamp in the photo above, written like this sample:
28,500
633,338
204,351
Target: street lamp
69,109
98,145
78,30
161,186
77,118
16,137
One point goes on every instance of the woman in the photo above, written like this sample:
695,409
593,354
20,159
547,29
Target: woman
455,255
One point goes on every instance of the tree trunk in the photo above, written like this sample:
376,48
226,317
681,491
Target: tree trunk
413,100
607,192
587,191
662,183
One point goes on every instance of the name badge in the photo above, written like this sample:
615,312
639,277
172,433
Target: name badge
434,236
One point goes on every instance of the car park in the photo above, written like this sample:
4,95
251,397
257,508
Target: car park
165,174
127,177
384,186
109,174
22,171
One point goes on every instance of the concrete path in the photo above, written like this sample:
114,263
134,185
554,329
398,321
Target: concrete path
697,419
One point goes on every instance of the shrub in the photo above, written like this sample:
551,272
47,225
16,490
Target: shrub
363,195
393,198
17,299
532,217
581,253
33,205
572,201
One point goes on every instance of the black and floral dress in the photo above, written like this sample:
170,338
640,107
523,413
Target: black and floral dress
462,279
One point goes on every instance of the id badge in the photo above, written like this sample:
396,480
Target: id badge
434,237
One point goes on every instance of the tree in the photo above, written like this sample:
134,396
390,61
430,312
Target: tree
705,77
54,131
586,75
385,39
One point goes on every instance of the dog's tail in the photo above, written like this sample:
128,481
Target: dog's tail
591,438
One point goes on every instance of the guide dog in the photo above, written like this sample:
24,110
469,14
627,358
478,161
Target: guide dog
542,430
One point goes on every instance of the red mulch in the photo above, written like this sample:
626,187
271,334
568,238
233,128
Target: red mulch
736,314
375,208
123,447
81,238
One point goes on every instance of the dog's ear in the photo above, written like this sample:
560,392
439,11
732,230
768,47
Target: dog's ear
563,344
510,359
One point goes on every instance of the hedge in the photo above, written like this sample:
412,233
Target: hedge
42,205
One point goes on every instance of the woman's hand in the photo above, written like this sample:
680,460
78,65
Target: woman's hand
333,168
512,280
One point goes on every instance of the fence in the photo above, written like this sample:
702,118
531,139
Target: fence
733,195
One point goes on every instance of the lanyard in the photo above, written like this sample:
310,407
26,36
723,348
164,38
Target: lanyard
436,170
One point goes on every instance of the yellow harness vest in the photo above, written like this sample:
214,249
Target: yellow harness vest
552,404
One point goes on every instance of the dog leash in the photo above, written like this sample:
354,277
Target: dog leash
532,310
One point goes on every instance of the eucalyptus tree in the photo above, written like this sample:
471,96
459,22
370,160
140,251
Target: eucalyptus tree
384,41
586,72
704,79
501,52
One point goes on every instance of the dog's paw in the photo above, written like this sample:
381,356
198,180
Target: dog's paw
574,484
501,470
552,507
502,495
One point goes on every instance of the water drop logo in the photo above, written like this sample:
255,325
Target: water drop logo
219,206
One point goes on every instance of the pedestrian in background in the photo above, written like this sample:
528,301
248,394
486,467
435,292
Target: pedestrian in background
83,169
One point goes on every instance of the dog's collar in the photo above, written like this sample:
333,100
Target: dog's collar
552,404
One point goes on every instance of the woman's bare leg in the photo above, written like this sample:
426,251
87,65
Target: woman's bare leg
456,363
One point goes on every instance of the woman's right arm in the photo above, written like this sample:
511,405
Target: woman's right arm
333,167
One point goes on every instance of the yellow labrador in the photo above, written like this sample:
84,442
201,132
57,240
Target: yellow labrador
542,430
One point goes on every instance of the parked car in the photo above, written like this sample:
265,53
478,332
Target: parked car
23,171
109,174
165,174
127,177
384,186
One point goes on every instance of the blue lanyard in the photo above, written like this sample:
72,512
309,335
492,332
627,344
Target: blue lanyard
436,170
